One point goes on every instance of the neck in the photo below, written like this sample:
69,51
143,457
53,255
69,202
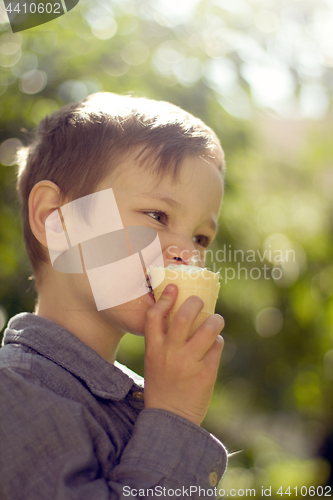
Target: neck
81,318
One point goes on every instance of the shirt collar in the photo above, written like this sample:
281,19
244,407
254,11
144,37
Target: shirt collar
54,342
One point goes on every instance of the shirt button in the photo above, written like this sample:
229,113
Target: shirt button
213,478
138,395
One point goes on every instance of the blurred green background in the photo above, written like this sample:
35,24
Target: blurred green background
260,73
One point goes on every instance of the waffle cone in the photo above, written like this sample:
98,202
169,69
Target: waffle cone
190,280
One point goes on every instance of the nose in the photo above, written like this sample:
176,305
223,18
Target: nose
183,255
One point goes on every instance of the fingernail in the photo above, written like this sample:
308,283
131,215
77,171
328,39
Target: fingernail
221,319
169,289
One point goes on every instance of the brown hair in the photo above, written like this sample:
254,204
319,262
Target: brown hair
79,145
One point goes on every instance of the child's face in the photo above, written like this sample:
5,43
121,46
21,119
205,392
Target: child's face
184,219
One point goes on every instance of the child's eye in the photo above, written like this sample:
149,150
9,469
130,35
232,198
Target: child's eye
204,241
158,216
163,218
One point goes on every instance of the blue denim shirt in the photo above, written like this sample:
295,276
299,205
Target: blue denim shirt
73,426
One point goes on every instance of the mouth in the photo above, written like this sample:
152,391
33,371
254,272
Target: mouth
150,288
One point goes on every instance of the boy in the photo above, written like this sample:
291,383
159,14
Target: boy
74,423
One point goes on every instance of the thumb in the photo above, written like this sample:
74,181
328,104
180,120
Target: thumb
156,314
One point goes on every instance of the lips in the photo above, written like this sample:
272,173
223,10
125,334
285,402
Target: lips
150,288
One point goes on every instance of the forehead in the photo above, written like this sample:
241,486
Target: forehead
133,173
198,189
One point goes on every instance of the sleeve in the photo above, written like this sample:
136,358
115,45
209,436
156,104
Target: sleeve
169,456
49,450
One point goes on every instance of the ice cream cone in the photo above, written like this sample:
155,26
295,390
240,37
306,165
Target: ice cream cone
190,280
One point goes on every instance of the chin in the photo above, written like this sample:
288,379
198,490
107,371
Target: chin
131,316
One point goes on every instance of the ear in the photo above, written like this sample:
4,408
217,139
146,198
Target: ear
43,200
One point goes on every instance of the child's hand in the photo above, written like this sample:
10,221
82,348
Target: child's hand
180,374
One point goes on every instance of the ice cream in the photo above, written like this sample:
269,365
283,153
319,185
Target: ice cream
190,280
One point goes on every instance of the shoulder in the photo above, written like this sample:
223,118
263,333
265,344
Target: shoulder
21,387
32,414
23,367
45,436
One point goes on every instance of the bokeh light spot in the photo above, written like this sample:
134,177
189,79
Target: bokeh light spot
269,322
114,65
10,54
188,71
72,90
8,151
135,53
104,28
166,56
33,82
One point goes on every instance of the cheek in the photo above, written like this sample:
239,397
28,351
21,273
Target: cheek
131,316
201,257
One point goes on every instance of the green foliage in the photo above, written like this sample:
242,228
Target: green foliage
274,397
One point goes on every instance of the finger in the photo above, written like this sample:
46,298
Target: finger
182,321
205,337
212,357
156,314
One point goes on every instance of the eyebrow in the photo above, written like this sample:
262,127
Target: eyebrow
213,225
169,201
176,205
